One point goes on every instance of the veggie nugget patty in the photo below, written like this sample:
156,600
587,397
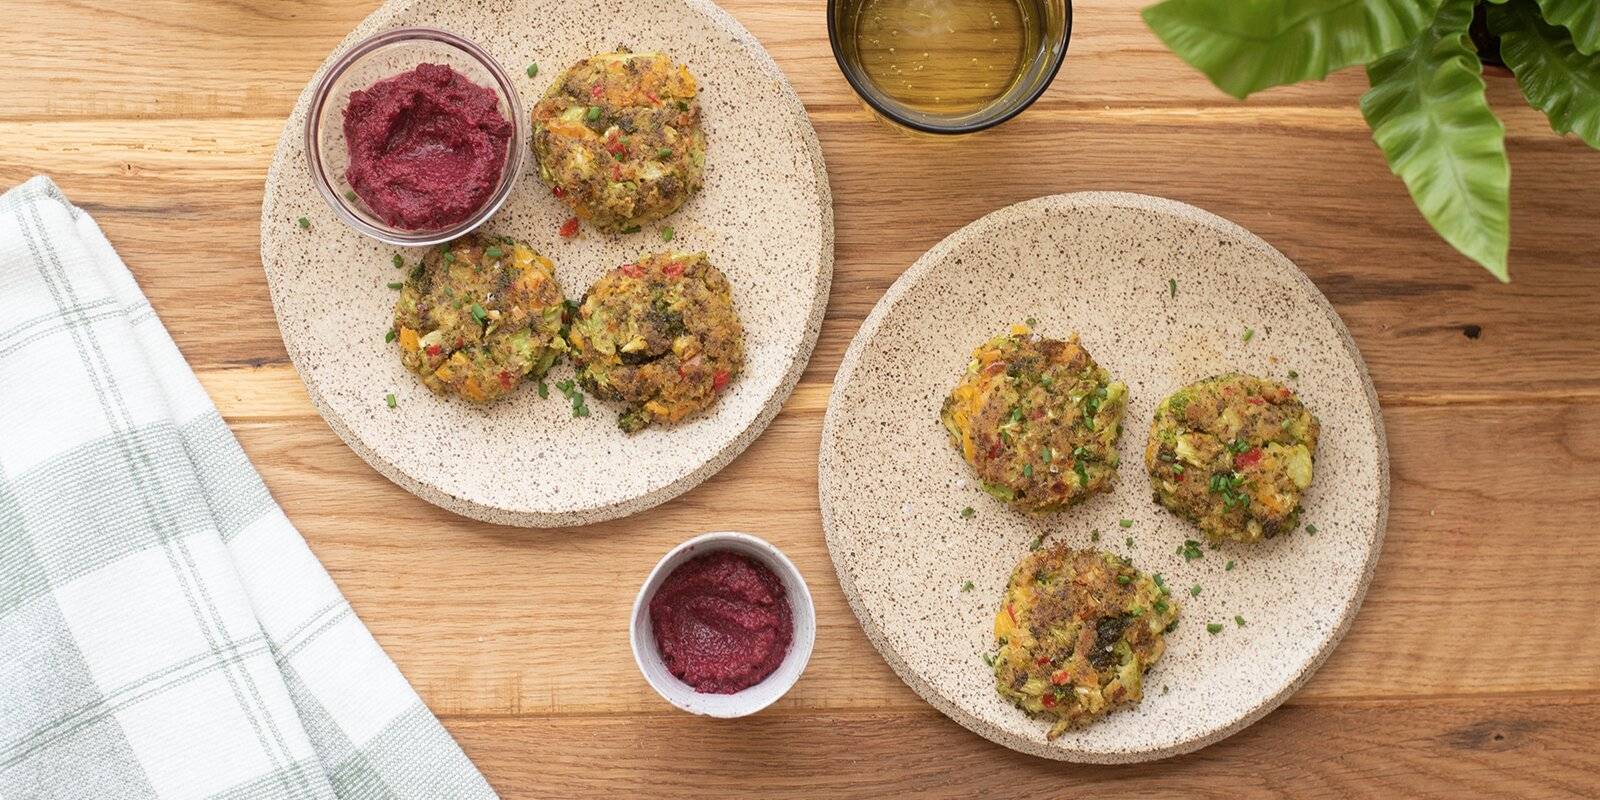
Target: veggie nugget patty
660,335
1076,633
478,315
1233,454
1038,420
618,138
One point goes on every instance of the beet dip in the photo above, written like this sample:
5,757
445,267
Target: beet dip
426,147
722,622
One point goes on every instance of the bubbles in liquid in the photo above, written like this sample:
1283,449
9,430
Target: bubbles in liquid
948,45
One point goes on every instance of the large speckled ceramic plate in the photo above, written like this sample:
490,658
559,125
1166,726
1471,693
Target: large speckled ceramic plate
893,488
765,218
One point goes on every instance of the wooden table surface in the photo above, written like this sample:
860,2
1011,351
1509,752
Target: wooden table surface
1472,668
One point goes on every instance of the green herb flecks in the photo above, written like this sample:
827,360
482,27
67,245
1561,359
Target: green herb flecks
967,513
1229,566
1038,541
399,263
494,252
1249,333
389,400
1172,287
1239,621
479,314
966,586
544,389
1126,523
592,114
1194,591
305,224
395,285
388,336
1311,529
1213,628
1190,550
533,70
667,233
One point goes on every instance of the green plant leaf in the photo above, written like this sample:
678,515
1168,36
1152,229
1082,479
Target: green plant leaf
1429,116
1554,76
1580,17
1245,46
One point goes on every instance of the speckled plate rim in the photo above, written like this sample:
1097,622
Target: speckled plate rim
293,129
869,329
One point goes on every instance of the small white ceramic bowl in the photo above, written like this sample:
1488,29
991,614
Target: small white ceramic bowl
759,696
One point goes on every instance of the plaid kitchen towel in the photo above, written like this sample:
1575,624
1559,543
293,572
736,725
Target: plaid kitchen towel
164,631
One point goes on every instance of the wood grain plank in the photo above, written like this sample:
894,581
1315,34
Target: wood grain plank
487,619
140,60
1439,751
160,187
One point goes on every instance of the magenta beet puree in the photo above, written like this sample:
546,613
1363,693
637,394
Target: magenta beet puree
426,147
722,622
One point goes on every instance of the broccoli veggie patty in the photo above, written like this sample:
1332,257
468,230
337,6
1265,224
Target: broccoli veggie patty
1233,454
1037,419
1076,633
660,335
618,138
478,315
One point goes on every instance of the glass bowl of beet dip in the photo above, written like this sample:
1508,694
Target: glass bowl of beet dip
723,626
415,136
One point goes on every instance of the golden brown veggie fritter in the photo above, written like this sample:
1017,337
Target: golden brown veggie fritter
1233,454
1038,420
618,138
1076,633
479,315
661,336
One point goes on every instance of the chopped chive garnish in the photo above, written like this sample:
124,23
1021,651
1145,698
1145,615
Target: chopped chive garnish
665,152
667,233
544,389
1045,453
478,313
1094,535
682,106
1172,287
1311,529
966,586
966,513
1027,470
988,658
303,223
1128,541
1249,333
1031,322
1038,541
1229,566
395,284
1124,580
1126,523
493,252
1293,374
593,114
350,194
1238,620
1213,627
389,400
388,336
398,261
631,229
1190,550
1194,591
533,69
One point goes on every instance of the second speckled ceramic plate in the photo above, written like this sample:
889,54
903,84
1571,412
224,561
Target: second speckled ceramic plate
765,218
893,488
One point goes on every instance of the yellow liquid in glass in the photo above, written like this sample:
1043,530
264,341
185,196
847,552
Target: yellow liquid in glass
946,57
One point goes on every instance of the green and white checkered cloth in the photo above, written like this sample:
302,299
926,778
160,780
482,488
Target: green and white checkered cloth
164,631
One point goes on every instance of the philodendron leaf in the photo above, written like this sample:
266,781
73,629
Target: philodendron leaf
1429,116
1244,46
1580,17
1554,76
